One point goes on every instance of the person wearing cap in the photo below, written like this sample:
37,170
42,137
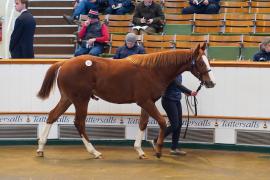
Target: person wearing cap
119,7
131,47
83,7
94,35
148,18
264,53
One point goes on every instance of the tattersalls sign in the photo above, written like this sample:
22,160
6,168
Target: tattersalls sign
134,120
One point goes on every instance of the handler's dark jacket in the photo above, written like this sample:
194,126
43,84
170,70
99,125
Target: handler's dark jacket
175,88
153,11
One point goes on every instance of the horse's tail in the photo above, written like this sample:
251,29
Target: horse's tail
49,80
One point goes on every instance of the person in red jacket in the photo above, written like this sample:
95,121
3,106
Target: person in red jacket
93,35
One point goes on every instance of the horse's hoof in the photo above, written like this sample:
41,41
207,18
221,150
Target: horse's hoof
158,155
40,154
143,156
99,157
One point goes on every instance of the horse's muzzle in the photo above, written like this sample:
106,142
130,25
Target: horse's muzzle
209,84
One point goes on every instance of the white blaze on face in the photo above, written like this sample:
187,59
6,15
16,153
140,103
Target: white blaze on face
211,74
88,63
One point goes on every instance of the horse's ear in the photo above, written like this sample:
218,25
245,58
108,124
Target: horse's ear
203,46
197,50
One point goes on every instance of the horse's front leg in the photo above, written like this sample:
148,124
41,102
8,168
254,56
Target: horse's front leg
138,140
152,110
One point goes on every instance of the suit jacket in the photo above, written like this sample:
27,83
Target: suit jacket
22,37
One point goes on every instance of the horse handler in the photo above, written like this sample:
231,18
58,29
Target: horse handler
171,102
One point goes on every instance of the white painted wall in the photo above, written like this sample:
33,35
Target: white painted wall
239,92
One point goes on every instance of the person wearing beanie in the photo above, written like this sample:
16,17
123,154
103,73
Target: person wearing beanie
93,36
264,53
131,47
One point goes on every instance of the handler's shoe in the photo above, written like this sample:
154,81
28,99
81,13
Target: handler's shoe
177,152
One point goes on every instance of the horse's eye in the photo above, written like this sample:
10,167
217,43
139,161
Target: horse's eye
200,63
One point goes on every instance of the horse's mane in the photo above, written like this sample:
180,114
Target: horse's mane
173,57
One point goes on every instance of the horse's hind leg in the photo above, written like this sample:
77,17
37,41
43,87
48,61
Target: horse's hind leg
152,110
138,140
80,116
54,114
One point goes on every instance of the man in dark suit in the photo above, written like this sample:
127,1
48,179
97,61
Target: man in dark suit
22,37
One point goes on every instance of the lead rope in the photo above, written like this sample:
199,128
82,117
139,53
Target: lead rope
189,107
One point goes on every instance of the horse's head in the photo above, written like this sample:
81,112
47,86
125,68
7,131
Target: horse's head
200,67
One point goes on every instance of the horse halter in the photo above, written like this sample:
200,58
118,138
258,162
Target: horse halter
200,74
195,101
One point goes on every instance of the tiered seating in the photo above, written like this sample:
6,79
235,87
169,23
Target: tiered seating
178,24
120,23
234,6
174,6
155,43
262,23
230,35
239,23
260,7
179,18
53,37
189,41
208,23
227,46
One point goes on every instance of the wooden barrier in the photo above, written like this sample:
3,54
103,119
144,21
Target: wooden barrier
217,63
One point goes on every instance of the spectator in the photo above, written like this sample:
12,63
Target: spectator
264,53
131,47
148,18
202,7
119,7
171,102
83,7
22,37
94,35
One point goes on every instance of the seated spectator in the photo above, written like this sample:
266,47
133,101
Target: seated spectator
119,7
264,53
148,18
131,47
93,36
202,7
83,7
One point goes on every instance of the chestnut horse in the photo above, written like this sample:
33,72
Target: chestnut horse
139,79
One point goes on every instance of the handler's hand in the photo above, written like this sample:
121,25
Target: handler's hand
193,93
